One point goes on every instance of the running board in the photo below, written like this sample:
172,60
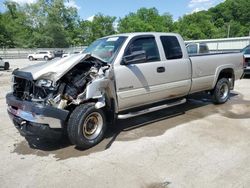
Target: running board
153,109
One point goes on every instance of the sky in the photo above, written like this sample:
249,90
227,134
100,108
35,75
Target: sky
88,8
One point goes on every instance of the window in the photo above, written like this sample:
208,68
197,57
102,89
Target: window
106,48
247,51
204,49
146,44
192,49
171,47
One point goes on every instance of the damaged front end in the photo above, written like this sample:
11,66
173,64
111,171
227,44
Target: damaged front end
49,99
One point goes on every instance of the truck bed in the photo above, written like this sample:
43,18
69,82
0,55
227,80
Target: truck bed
205,67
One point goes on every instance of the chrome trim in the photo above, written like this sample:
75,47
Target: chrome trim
148,110
31,117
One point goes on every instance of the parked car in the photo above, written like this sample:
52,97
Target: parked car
70,53
4,65
58,53
197,48
144,72
45,55
246,53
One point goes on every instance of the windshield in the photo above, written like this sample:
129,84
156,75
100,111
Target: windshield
105,48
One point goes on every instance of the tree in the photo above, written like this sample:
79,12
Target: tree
100,26
196,26
146,20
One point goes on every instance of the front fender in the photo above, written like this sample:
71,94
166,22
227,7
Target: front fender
96,90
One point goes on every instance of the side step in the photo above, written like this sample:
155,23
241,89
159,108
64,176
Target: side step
148,110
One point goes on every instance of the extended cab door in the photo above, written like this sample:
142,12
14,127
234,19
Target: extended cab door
140,83
178,74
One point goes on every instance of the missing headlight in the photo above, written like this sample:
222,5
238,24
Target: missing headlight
44,83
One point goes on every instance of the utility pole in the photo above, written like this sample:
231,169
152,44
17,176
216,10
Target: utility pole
228,30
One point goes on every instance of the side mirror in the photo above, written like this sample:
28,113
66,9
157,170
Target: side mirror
135,57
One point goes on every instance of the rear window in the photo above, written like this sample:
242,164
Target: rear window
171,47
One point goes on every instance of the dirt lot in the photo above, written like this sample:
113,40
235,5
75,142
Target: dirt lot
197,144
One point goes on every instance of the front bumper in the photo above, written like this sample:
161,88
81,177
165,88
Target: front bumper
32,119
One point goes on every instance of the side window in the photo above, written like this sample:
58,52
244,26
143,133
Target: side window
171,47
147,44
247,51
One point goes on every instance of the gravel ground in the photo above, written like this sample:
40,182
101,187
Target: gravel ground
197,144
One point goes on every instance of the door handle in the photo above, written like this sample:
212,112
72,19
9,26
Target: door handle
160,69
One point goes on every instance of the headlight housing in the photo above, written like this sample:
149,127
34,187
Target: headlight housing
44,83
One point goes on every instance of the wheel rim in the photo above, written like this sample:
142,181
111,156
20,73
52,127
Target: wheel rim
223,92
92,126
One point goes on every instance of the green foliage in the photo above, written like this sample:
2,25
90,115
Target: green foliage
232,16
99,27
49,23
146,20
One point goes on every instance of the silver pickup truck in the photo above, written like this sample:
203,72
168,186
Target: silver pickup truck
117,77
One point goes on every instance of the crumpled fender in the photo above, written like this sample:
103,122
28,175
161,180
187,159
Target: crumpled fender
96,90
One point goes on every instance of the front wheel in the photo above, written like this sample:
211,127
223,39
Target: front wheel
86,126
221,91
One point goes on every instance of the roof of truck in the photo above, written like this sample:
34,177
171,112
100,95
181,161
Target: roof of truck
142,33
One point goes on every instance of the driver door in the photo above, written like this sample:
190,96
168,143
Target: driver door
139,83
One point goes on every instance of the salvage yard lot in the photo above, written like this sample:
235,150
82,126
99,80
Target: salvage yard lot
197,144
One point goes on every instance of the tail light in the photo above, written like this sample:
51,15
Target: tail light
244,62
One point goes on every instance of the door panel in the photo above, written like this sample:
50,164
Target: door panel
139,84
178,77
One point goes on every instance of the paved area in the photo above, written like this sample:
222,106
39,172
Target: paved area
197,144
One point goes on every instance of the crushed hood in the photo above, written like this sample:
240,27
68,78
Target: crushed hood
52,70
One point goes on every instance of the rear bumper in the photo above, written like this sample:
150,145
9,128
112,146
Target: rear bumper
247,71
32,119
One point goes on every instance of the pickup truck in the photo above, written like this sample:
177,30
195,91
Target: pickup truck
197,48
116,77
246,53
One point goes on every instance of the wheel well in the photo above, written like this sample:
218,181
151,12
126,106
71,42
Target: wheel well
226,73
229,74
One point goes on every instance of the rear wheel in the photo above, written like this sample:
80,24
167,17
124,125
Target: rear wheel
86,126
221,92
31,58
6,66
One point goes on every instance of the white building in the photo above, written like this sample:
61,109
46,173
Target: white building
224,44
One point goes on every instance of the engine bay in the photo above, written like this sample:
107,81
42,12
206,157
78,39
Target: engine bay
69,89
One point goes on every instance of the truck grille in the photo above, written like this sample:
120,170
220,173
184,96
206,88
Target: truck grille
26,89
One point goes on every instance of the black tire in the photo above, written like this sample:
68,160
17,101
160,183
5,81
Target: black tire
221,91
80,125
31,58
6,66
46,58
